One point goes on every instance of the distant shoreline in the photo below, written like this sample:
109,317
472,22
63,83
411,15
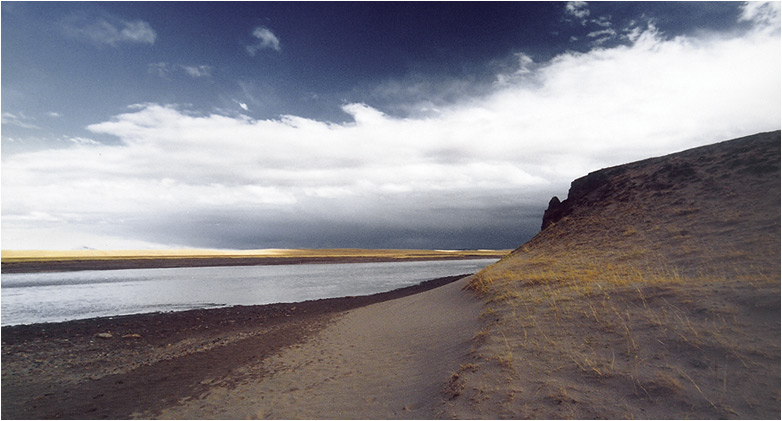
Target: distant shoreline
293,257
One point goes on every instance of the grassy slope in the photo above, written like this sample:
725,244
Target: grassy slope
657,297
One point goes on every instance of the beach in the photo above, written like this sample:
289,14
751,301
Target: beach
245,361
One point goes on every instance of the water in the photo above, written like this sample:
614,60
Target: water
59,296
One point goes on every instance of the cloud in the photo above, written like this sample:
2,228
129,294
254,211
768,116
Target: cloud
601,27
81,140
166,70
241,105
765,14
198,71
602,36
601,33
266,39
18,120
603,21
478,173
525,67
109,30
137,31
578,9
161,69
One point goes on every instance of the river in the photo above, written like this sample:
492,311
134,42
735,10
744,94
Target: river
60,296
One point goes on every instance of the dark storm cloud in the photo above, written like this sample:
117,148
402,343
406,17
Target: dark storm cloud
501,227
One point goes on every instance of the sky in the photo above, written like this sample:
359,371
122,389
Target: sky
245,125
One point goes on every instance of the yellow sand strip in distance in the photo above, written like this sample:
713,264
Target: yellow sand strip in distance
10,256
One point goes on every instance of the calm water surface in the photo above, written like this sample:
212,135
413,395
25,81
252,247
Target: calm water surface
59,296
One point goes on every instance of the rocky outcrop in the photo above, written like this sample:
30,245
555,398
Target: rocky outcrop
555,211
651,179
590,188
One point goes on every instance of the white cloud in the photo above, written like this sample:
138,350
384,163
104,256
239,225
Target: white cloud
266,39
166,70
109,30
761,13
82,140
602,33
161,69
602,26
198,71
525,63
513,147
137,31
18,120
602,36
603,21
579,9
633,32
525,67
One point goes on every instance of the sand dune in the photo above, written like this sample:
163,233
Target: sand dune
652,293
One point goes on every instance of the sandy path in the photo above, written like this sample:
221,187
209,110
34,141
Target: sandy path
386,360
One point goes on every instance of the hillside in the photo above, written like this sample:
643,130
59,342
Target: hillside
652,291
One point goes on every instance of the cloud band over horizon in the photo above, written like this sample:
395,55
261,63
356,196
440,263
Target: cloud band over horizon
475,173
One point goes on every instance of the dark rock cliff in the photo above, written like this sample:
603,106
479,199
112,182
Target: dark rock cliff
659,176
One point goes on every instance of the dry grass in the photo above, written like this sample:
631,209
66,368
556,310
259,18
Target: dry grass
587,334
642,303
